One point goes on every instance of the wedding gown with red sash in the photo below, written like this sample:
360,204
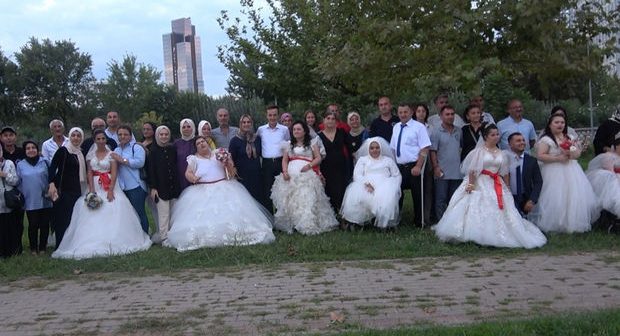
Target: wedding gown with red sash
567,202
604,175
300,202
216,211
487,215
111,229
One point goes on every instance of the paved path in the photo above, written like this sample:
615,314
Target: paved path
292,298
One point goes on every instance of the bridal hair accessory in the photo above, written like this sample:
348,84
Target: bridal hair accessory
93,201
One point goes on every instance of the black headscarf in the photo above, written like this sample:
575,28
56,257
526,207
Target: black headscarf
32,160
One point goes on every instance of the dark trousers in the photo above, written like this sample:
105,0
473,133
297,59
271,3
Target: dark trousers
444,189
137,197
38,228
412,183
271,169
8,235
19,218
62,211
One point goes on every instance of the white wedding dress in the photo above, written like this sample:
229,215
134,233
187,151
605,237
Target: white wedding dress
300,202
604,175
477,217
216,212
360,206
112,229
567,202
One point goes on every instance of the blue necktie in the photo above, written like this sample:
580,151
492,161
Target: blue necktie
400,135
519,186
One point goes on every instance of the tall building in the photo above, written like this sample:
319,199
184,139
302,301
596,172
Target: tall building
182,57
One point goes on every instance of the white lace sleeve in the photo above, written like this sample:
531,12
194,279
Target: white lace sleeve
473,162
504,167
192,164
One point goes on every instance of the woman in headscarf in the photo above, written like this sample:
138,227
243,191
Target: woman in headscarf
9,231
358,132
375,190
185,147
163,180
34,181
204,129
245,149
67,181
286,119
112,228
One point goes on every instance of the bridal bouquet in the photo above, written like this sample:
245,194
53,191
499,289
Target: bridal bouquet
568,145
222,155
93,201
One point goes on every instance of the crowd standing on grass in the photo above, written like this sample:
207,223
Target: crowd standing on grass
470,179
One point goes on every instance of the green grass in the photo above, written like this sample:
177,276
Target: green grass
404,242
602,323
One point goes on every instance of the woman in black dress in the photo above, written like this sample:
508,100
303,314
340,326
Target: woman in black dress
471,130
67,180
245,150
334,166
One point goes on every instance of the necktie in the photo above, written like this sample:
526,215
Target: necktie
519,182
400,135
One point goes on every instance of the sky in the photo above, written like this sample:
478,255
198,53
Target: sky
110,29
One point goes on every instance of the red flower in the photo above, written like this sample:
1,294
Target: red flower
566,144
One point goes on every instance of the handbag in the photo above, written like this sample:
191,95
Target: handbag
13,199
143,169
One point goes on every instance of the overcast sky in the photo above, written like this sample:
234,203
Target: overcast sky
109,29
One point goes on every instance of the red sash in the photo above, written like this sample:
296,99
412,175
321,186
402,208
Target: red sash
104,180
617,170
497,181
315,168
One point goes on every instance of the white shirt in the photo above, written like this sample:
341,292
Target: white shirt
49,147
414,138
271,140
515,161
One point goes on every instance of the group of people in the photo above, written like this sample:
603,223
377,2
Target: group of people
232,185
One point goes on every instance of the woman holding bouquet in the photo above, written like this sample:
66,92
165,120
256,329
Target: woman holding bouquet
604,175
104,223
216,210
567,202
298,193
482,209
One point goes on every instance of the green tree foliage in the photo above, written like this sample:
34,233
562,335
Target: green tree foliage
9,90
312,50
131,88
57,80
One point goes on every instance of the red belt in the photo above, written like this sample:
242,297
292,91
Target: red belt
617,170
315,168
497,183
104,179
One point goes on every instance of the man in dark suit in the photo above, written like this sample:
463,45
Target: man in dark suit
525,178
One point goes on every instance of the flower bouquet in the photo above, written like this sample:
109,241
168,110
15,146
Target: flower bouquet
93,201
223,155
568,145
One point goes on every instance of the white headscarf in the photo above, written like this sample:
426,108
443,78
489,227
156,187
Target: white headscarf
191,123
202,124
384,145
78,152
157,132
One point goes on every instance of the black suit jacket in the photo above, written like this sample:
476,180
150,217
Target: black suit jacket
531,181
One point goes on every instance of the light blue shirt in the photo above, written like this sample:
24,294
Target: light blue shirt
129,174
33,183
508,126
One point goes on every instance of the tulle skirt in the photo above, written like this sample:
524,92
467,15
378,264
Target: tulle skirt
112,229
359,206
218,214
477,217
567,202
606,185
301,203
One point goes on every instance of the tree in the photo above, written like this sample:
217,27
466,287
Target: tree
343,50
57,79
9,90
131,88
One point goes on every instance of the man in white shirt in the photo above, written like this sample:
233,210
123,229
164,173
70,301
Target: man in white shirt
272,135
410,142
58,139
114,121
224,133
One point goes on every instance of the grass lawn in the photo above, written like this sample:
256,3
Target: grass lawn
603,323
404,242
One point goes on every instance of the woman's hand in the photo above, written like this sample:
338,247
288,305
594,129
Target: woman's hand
306,168
2,174
564,157
154,194
52,192
369,187
286,176
110,195
469,188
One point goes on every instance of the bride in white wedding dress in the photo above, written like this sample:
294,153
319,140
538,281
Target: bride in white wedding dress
482,209
111,229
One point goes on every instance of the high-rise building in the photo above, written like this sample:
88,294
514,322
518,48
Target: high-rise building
182,57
